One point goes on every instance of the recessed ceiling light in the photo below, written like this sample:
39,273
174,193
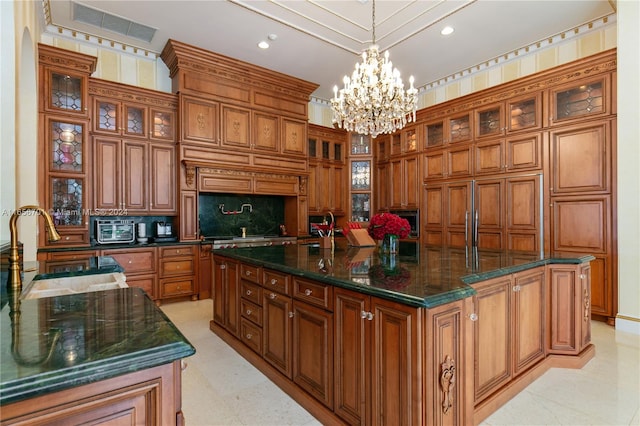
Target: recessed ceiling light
447,30
263,45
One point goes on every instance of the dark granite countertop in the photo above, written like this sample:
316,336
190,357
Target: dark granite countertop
54,249
92,336
420,276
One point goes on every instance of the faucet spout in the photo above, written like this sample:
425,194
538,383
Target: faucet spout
15,280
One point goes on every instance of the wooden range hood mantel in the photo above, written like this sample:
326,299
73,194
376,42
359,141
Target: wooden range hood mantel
242,130
183,60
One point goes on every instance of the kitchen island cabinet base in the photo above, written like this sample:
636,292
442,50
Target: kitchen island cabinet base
308,402
150,396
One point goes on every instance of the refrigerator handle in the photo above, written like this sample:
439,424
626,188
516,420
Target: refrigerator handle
466,227
475,242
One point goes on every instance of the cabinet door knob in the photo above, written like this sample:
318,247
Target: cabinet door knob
308,292
247,273
249,336
273,296
291,314
223,266
583,276
274,281
473,317
248,292
369,316
249,311
363,314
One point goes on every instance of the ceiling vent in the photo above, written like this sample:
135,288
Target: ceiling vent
104,20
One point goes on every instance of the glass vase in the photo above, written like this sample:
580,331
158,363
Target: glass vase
390,244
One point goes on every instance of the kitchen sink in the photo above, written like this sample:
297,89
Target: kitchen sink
73,285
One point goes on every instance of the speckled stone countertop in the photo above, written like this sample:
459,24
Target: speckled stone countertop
427,277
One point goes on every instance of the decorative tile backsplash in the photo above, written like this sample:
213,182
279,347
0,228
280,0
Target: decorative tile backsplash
260,214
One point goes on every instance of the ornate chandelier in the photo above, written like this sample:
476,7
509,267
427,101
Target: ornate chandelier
373,101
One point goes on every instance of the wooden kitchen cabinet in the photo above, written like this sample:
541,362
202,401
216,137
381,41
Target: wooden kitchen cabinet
112,117
374,378
162,179
405,180
177,271
205,271
580,100
277,324
455,162
200,121
139,266
514,115
448,364
327,177
226,296
511,312
134,152
235,127
312,351
569,308
522,152
64,77
140,397
120,176
580,158
65,179
453,129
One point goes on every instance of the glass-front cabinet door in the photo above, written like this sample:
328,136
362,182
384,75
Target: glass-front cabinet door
67,170
360,163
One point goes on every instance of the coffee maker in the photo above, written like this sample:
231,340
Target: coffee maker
163,229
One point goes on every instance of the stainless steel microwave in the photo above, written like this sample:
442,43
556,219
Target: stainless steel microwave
115,231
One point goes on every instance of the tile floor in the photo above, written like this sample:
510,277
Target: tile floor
221,388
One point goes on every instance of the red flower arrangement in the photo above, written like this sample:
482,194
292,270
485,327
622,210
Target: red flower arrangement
387,223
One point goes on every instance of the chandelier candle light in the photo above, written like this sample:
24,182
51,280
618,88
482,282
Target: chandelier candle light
373,101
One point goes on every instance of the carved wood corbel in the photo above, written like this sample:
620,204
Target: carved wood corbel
447,382
190,174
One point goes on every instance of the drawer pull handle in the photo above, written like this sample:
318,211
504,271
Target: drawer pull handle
308,292
274,281
130,262
223,266
291,314
273,296
249,336
248,292
249,312
473,317
363,314
248,273
177,251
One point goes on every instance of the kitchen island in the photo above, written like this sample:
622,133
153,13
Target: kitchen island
441,336
101,356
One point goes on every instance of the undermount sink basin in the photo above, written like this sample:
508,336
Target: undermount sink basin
73,285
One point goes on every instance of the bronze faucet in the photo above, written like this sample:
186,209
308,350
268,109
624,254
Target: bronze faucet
15,280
